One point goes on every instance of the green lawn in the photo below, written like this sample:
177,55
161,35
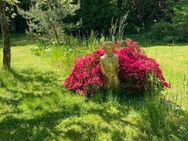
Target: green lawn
174,63
35,106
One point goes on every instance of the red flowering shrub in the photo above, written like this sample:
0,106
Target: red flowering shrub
86,76
138,73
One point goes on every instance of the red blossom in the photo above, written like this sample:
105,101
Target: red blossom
135,68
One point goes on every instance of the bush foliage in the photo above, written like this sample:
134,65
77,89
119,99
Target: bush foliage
176,29
138,73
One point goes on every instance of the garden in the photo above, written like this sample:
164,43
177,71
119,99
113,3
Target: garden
58,63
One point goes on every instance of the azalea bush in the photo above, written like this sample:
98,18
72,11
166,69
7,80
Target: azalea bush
138,73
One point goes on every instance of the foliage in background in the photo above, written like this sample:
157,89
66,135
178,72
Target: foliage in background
163,31
180,21
175,30
162,20
97,16
45,18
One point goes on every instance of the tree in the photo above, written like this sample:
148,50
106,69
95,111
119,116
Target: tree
5,33
180,20
45,18
97,15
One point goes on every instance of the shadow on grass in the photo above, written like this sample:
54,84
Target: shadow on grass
31,75
41,128
23,42
27,84
10,101
21,87
18,39
160,119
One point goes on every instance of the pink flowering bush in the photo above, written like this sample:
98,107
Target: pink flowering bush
138,73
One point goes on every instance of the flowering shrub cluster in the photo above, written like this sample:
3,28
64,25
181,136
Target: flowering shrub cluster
138,73
86,76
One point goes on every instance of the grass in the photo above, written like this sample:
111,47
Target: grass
174,63
35,106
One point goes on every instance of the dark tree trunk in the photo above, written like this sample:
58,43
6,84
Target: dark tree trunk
6,36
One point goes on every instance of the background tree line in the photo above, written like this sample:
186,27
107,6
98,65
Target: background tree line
142,16
97,15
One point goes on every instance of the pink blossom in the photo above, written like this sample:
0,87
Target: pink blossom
135,67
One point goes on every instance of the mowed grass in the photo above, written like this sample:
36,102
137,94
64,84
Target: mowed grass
174,63
34,105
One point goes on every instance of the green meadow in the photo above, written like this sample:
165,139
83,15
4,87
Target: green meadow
34,105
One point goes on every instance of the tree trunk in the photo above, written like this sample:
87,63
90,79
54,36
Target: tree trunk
6,36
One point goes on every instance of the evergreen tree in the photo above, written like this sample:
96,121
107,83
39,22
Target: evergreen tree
46,18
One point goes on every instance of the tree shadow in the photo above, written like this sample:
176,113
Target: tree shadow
39,128
30,83
13,126
10,101
20,85
23,42
19,39
161,118
166,121
31,75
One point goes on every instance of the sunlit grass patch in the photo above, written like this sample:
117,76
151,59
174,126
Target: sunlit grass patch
174,63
